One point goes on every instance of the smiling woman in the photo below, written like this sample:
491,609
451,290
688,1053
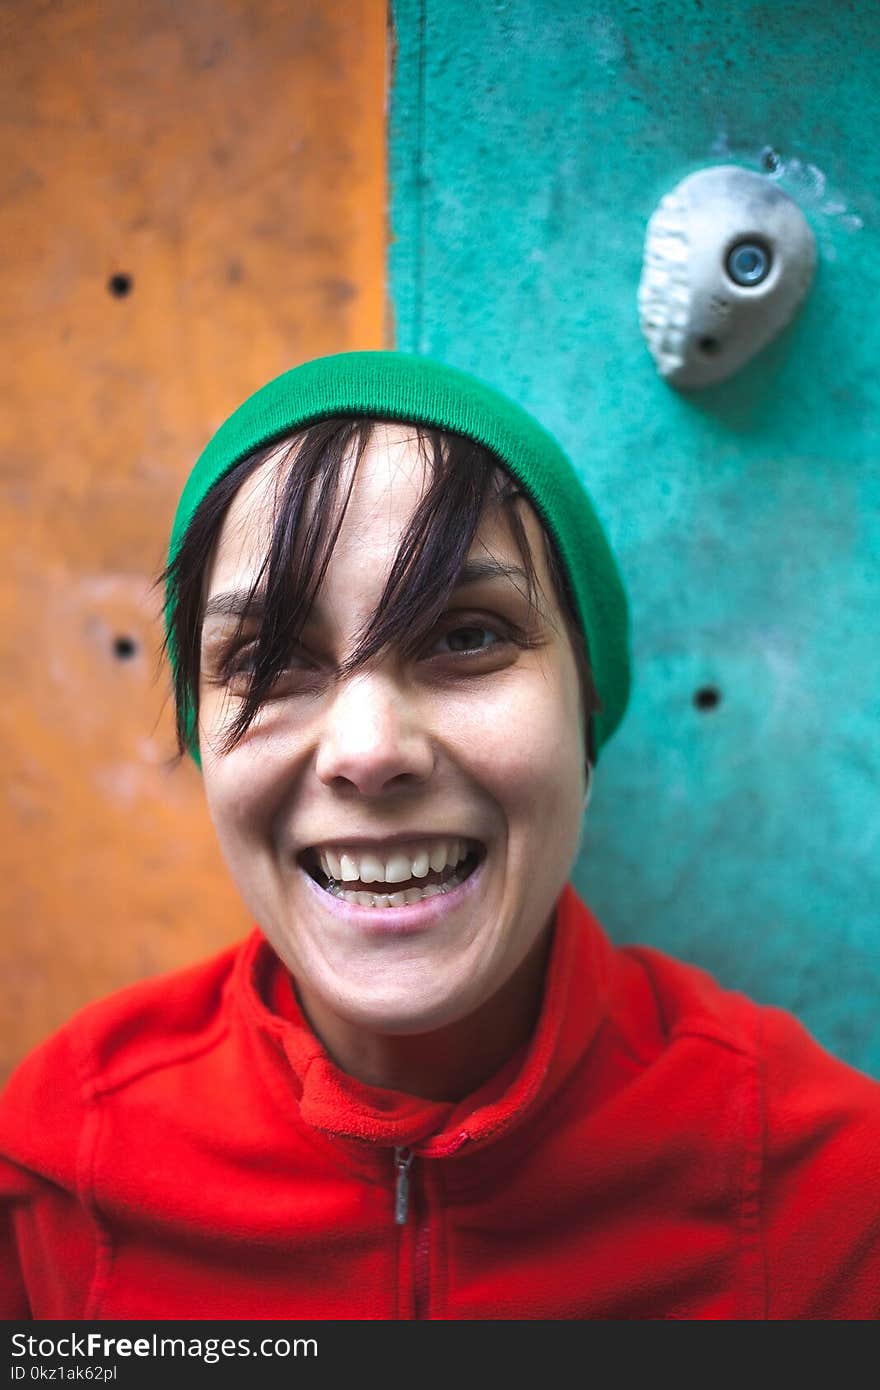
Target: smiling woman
427,1085
413,716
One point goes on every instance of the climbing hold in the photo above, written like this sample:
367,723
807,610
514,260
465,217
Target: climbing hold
728,258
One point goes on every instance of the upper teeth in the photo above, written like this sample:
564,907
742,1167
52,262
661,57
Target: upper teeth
405,861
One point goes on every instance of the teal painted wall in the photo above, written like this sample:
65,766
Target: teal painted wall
530,142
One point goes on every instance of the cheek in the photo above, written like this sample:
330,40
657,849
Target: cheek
242,787
525,742
238,791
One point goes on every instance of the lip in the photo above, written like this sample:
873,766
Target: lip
391,921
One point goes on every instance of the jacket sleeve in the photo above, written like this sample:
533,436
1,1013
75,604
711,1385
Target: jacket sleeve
47,1237
820,1188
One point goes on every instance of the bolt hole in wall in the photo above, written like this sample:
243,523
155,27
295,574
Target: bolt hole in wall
120,285
707,697
124,648
749,262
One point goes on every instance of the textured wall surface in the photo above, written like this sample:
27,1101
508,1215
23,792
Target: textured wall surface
193,199
530,143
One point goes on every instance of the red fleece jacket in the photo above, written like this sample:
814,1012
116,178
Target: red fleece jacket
662,1149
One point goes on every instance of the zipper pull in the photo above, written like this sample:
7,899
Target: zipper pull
402,1162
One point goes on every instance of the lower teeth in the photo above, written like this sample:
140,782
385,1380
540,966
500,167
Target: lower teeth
410,895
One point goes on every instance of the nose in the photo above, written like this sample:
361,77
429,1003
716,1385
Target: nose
373,738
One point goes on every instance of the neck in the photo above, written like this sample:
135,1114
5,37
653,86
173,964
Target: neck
448,1063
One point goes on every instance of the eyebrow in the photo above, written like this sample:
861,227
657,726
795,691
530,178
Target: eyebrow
237,603
240,603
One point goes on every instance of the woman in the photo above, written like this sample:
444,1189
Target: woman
427,1085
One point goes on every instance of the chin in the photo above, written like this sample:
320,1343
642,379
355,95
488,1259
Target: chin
405,1017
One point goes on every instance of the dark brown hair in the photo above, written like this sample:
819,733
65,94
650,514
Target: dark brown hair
464,478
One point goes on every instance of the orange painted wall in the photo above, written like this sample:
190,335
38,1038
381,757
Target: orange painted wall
193,200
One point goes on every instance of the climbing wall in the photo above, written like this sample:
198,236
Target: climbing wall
193,201
736,815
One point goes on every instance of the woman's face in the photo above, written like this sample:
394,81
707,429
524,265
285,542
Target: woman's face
474,748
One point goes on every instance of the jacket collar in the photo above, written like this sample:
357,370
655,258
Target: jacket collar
575,1000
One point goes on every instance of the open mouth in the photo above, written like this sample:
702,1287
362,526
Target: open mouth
420,883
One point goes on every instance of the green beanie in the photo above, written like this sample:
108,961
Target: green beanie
405,387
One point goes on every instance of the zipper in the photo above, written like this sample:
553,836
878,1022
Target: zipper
404,1206
422,1268
402,1163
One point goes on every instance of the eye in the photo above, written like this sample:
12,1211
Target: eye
239,659
467,638
237,668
